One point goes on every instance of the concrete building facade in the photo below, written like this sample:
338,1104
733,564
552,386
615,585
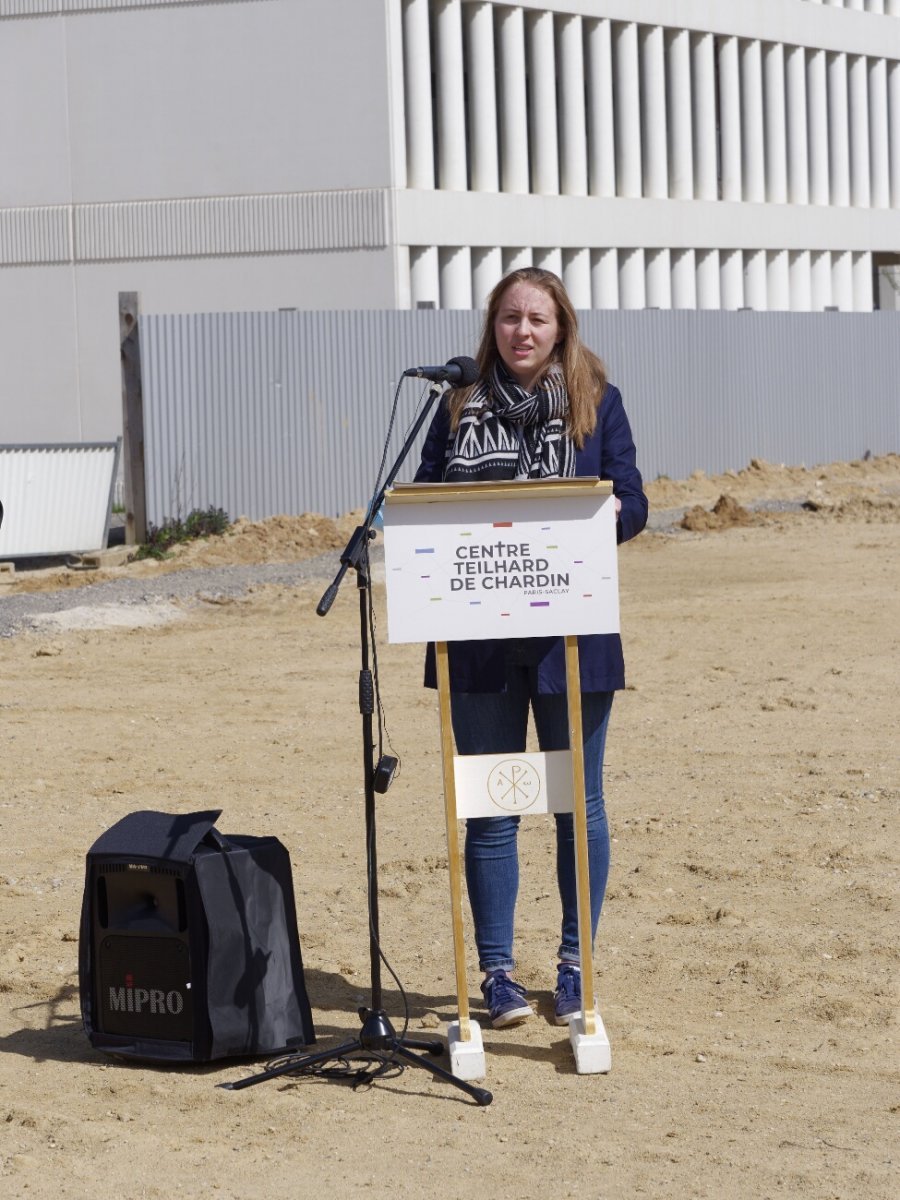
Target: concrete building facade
368,154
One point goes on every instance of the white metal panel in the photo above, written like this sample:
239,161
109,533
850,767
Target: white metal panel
56,499
220,225
32,236
61,8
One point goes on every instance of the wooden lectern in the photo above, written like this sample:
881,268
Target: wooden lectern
475,561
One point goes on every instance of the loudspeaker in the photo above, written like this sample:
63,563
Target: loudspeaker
188,947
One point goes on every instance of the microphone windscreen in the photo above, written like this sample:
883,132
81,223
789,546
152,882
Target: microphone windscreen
468,368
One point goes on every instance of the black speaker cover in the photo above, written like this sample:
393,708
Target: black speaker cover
188,947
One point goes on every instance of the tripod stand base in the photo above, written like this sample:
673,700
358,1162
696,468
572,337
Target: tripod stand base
378,1038
466,1058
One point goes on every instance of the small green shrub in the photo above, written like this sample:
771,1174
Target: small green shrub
199,523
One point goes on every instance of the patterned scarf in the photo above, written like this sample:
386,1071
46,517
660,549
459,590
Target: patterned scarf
505,432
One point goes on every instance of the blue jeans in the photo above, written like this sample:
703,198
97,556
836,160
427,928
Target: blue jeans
496,723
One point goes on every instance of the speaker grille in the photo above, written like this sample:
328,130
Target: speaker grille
144,987
140,900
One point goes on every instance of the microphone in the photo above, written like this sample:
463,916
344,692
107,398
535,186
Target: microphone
458,372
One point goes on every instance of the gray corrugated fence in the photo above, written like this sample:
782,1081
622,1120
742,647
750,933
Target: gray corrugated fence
286,412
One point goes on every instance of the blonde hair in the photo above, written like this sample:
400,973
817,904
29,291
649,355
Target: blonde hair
583,372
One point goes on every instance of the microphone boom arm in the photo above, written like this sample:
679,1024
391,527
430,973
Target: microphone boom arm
355,550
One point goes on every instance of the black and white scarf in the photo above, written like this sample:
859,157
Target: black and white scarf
506,432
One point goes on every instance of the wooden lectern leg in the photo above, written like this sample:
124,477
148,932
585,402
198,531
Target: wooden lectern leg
582,869
462,986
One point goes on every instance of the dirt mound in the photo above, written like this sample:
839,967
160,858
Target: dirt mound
274,540
856,508
761,480
277,539
726,513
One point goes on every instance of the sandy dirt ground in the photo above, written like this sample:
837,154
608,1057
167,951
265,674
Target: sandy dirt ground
747,958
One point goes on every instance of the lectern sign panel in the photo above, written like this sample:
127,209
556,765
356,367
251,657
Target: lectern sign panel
514,560
502,785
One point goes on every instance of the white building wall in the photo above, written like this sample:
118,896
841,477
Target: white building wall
762,133
221,99
210,156
59,325
392,153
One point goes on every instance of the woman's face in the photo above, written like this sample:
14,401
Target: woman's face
526,330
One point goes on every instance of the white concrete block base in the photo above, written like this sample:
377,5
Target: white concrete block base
466,1058
592,1053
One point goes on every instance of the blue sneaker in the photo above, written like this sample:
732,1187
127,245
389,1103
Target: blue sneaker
567,997
505,999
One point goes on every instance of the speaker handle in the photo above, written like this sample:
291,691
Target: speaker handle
213,838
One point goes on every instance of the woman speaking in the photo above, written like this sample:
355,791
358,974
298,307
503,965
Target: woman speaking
541,408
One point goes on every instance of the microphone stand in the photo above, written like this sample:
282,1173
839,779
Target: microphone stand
377,1039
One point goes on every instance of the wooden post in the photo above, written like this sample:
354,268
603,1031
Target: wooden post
579,813
453,862
132,418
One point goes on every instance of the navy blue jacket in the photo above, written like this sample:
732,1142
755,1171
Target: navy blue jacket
480,666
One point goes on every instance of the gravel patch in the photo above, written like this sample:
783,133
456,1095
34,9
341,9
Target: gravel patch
108,616
30,611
